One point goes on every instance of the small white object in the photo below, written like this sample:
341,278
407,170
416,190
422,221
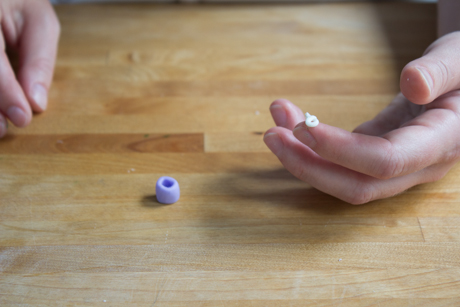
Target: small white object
340,259
311,121
257,112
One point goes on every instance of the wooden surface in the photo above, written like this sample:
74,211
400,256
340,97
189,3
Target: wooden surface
142,91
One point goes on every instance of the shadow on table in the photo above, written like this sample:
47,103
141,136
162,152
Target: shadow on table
276,207
281,189
151,201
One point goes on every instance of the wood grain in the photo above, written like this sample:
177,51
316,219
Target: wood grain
142,91
102,143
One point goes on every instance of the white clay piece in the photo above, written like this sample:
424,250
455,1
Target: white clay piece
311,121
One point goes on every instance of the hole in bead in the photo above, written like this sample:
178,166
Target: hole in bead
167,183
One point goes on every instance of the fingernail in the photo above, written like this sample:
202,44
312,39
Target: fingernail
278,114
427,77
3,127
17,116
274,142
303,135
40,96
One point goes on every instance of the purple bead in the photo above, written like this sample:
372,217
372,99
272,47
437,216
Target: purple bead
167,190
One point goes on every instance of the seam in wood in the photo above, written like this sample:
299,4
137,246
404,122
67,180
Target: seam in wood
421,230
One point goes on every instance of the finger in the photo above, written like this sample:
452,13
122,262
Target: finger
3,126
396,154
37,52
286,114
13,103
306,165
396,114
435,73
331,178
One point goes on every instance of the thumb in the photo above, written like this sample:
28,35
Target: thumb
437,72
38,48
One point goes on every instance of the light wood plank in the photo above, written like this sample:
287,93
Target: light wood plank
100,143
236,288
221,257
142,91
235,142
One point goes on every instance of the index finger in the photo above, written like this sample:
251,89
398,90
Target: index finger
13,103
38,49
423,142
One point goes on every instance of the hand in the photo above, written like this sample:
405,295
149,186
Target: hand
31,28
414,140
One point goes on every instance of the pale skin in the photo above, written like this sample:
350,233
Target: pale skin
414,140
30,28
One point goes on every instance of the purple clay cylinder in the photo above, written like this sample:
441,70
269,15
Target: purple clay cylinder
167,190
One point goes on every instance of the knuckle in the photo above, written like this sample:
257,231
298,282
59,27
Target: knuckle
391,166
445,73
453,155
300,173
362,193
437,173
437,176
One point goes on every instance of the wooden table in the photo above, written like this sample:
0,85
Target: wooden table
142,91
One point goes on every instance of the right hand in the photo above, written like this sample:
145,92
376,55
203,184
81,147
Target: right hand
412,141
31,28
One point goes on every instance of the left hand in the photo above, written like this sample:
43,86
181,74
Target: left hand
414,140
31,28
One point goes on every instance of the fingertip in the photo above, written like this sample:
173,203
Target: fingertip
285,113
38,49
38,97
13,102
18,116
304,135
279,114
273,141
35,80
279,101
271,130
416,84
3,126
